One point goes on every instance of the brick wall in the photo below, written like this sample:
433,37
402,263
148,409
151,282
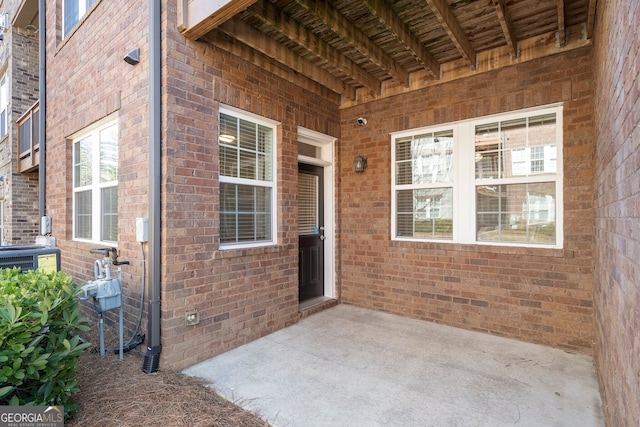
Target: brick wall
19,60
538,295
617,191
241,295
87,80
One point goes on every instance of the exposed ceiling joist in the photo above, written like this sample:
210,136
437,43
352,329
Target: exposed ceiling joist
356,51
230,44
591,18
294,31
451,25
562,34
507,27
341,26
268,46
389,18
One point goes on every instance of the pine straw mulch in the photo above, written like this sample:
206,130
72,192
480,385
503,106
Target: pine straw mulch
116,392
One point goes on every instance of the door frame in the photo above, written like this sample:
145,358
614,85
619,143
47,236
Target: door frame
326,150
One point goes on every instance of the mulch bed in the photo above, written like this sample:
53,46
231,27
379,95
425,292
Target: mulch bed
116,392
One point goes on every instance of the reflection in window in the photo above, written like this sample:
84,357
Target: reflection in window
516,213
95,184
73,11
490,180
424,194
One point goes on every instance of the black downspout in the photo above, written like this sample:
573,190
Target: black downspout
42,95
152,357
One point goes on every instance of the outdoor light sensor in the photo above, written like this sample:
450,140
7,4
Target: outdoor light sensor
133,57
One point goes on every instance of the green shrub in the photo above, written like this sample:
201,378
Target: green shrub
39,348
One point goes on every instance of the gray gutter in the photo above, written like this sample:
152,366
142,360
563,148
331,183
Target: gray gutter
154,347
42,95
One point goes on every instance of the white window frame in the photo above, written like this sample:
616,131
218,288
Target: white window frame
465,182
4,105
83,7
96,186
244,115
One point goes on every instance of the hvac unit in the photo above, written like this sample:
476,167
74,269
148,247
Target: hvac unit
30,257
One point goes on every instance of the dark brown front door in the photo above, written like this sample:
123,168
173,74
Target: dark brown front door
310,231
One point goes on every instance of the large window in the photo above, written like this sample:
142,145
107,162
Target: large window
247,180
493,180
73,11
95,184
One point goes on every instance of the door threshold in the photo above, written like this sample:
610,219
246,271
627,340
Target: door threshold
314,305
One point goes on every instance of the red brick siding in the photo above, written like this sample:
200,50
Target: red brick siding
19,59
241,294
617,195
88,80
538,295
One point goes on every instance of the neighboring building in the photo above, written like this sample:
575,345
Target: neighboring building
521,220
19,196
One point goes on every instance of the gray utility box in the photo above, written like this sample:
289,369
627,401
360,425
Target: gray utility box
30,257
108,294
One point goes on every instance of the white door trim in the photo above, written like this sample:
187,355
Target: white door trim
326,145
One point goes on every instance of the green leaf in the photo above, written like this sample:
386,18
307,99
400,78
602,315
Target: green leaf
4,391
44,318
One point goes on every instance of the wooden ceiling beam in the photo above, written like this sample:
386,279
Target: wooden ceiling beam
451,25
229,44
255,39
591,18
390,19
562,30
507,27
333,19
197,17
294,31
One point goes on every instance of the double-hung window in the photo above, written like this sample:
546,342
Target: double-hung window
247,180
95,184
492,180
73,12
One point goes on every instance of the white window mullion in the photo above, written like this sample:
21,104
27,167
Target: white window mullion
465,232
95,189
492,175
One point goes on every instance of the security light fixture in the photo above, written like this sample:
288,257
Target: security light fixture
360,163
133,57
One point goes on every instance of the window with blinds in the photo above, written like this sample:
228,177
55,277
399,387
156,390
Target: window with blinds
95,183
307,203
247,180
489,180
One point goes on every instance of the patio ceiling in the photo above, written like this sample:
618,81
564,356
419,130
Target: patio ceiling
368,49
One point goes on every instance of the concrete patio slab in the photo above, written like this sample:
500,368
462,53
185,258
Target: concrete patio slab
348,366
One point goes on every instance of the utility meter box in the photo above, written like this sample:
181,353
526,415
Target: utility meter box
108,294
